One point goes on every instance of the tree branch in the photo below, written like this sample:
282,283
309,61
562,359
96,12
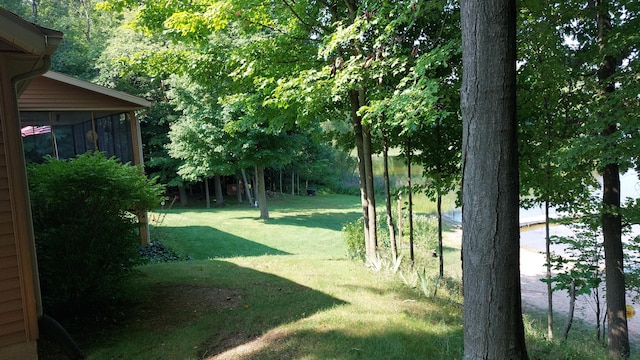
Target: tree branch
316,28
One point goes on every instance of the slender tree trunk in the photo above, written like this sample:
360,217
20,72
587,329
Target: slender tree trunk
255,184
262,193
293,182
368,166
206,193
357,130
387,187
572,307
492,315
34,10
246,187
548,190
217,182
548,266
596,295
440,250
371,194
281,188
400,217
410,202
239,190
439,203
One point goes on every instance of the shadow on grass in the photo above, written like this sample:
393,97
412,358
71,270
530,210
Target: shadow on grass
323,220
205,242
197,309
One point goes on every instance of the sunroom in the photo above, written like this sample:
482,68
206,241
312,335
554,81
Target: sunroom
61,116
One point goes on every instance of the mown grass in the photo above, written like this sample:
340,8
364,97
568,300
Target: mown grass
285,289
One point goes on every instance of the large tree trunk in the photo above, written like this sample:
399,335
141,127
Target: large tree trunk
262,194
387,187
493,326
217,183
618,335
357,131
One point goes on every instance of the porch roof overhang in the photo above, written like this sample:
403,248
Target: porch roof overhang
58,92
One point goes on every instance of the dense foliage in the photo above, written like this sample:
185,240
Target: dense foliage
85,226
242,84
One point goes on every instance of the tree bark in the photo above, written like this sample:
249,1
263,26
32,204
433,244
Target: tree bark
262,193
493,326
239,190
572,308
440,250
439,203
368,167
371,194
618,333
246,187
206,193
548,276
217,183
255,184
400,217
387,187
357,131
410,203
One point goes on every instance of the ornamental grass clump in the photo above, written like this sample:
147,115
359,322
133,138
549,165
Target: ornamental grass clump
85,225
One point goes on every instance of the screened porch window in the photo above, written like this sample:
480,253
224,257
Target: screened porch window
63,135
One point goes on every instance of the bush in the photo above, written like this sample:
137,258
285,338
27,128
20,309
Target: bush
85,226
353,235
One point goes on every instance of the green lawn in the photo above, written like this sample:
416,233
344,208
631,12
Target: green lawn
284,289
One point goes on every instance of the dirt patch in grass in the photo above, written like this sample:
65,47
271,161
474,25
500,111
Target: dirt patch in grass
164,307
171,305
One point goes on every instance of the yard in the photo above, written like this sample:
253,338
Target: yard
281,289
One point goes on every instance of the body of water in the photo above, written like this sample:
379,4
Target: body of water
629,188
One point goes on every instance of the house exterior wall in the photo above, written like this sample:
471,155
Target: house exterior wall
18,308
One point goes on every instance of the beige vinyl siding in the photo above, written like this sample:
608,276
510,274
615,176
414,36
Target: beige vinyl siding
12,314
